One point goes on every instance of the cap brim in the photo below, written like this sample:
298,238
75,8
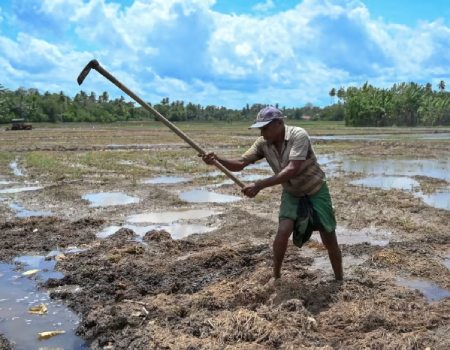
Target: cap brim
259,125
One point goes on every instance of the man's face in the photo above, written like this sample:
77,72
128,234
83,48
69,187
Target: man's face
271,130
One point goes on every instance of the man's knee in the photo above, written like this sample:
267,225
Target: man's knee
285,229
329,240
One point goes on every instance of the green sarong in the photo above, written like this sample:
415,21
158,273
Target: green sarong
309,213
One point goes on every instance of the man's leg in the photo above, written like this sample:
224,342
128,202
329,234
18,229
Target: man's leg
330,242
285,228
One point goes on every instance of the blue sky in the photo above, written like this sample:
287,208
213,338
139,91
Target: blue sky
224,52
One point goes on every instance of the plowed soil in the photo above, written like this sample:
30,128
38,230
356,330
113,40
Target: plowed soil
212,290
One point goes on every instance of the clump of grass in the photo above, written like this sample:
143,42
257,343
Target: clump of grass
407,224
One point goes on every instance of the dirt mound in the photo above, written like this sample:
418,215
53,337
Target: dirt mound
256,228
44,234
5,344
157,236
112,272
123,234
222,315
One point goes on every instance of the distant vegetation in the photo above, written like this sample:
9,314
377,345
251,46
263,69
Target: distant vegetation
29,104
406,104
402,105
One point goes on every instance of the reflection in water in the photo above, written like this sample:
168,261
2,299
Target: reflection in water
400,167
108,199
15,169
167,217
437,136
366,235
18,294
202,196
387,182
431,291
177,231
21,189
440,199
27,213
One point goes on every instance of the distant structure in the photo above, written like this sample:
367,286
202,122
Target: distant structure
305,117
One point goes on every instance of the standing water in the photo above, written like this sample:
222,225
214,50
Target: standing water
171,216
201,196
177,231
440,199
20,189
108,199
19,294
432,292
387,182
15,169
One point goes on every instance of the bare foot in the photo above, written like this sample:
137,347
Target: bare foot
273,282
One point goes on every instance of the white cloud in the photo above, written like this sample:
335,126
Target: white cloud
264,6
184,50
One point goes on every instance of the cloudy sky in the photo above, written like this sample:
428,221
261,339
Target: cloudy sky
224,52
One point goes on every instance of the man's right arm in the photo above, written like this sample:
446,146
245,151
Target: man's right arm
252,155
230,164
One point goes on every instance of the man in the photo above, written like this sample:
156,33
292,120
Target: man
306,202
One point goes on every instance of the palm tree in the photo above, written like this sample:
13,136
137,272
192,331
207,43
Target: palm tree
105,97
2,101
341,93
441,86
332,94
428,87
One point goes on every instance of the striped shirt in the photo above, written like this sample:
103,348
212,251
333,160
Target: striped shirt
296,146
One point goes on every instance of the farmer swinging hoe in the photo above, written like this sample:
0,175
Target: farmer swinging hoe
94,64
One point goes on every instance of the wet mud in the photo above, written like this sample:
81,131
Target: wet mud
211,289
5,344
22,236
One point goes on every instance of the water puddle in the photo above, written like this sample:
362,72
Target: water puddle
168,217
109,199
22,213
440,199
213,174
367,235
387,183
245,178
378,137
432,292
263,165
371,137
398,167
20,189
323,263
202,196
15,169
177,231
167,180
5,182
18,294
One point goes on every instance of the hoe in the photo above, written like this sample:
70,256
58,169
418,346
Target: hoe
95,65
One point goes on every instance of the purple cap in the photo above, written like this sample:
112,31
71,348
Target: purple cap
267,115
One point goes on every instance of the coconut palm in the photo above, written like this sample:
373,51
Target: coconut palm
332,93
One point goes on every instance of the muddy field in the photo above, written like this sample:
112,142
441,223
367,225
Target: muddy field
131,242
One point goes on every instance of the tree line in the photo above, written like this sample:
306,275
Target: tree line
31,105
405,104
